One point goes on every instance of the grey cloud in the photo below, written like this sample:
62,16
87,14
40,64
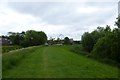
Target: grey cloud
61,13
101,4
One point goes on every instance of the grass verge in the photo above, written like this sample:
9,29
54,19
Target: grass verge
9,48
10,59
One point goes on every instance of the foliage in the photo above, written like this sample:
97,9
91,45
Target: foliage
90,39
108,46
103,43
33,38
79,50
28,38
16,38
11,59
66,41
58,62
118,22
9,48
87,41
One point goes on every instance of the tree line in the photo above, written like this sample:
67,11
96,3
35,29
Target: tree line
103,43
33,38
28,38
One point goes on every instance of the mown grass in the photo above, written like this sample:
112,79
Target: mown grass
9,48
58,62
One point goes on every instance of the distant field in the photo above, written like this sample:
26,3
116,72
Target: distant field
56,62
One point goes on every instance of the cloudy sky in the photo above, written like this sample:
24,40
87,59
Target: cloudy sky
68,17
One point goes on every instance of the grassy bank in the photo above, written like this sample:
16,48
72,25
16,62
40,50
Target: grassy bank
56,62
11,59
9,48
80,51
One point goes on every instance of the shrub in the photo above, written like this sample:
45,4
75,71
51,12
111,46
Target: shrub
107,47
79,50
9,48
87,42
90,39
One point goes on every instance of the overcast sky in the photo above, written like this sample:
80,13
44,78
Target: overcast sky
68,17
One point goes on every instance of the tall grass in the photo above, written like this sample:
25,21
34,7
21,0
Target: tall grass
10,59
79,50
9,48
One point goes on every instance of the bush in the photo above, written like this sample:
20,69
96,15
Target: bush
9,48
87,42
101,49
79,50
90,39
107,47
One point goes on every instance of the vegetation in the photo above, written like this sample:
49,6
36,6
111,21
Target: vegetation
9,48
87,42
54,62
28,38
11,59
60,61
33,38
90,39
103,43
118,22
79,50
16,38
66,41
107,47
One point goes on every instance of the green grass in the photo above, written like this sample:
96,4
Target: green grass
58,62
9,48
11,59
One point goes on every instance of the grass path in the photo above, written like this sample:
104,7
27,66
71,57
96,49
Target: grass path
47,62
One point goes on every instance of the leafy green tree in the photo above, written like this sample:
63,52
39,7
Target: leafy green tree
87,42
117,31
90,39
33,38
118,22
107,47
16,38
66,41
103,42
28,38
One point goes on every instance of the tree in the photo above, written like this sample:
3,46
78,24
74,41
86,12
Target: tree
107,47
90,39
118,22
107,29
33,38
87,42
66,41
118,34
103,42
16,38
28,38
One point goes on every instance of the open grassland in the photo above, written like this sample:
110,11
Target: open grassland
53,62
